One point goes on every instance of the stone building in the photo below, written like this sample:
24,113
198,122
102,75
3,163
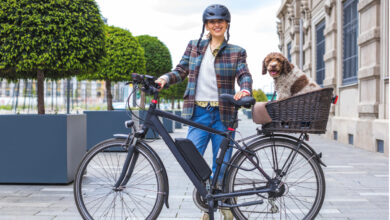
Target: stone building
344,44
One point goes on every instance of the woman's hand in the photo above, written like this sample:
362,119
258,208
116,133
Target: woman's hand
161,82
241,94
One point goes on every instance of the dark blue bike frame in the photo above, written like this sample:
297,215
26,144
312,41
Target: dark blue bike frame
151,121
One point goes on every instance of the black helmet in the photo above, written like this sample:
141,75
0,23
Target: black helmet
216,12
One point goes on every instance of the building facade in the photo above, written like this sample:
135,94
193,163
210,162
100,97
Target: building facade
344,44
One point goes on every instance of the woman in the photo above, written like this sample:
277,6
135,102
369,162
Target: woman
211,65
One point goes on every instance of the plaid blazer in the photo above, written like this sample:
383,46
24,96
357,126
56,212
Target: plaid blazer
230,64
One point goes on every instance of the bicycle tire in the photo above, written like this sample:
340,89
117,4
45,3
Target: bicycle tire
94,193
301,198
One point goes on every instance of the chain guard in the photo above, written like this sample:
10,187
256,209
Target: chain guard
199,201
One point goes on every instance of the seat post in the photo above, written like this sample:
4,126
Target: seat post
234,118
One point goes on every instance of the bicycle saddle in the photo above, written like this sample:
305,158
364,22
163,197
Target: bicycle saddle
246,101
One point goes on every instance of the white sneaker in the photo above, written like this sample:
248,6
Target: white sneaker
227,214
205,216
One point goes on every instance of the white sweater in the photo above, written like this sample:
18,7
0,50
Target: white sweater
206,87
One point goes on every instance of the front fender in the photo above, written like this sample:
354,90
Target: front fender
163,171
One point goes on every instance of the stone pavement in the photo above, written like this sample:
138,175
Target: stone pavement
357,186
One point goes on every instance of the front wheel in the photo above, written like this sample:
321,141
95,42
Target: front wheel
94,191
301,190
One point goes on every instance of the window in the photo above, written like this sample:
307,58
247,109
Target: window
350,47
380,146
350,139
289,52
335,135
320,51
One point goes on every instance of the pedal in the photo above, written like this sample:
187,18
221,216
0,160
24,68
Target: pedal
274,207
258,202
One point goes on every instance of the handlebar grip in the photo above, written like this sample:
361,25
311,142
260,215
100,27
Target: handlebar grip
158,86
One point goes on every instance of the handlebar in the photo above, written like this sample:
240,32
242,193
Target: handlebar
147,83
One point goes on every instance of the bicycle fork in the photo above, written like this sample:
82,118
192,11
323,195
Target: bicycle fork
128,166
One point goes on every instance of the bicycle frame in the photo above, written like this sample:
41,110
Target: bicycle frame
138,164
151,121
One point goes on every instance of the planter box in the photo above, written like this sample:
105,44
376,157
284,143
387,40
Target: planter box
101,125
178,125
249,114
44,149
151,134
168,124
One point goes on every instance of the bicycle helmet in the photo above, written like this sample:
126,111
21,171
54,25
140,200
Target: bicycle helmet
215,11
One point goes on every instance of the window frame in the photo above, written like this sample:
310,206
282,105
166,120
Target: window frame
350,24
320,48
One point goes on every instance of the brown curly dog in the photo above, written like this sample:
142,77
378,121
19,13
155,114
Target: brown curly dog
289,80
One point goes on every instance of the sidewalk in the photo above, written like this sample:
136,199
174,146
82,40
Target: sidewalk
357,186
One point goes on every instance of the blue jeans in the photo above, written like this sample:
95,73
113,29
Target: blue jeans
209,117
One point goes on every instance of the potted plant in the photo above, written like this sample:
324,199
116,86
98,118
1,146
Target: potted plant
46,40
124,55
158,62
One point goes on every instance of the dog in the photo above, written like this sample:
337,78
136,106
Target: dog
289,80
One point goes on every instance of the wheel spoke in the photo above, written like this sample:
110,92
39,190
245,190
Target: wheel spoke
300,187
96,196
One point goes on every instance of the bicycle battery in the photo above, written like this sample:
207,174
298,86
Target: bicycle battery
193,158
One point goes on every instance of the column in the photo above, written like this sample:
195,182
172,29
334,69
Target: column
369,58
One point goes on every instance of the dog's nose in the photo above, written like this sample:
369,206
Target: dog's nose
273,64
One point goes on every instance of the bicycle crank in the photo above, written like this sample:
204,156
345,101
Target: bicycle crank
199,201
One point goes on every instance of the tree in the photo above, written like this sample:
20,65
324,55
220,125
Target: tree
158,58
124,56
175,92
52,39
259,95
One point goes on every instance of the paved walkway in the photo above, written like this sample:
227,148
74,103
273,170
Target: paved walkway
357,187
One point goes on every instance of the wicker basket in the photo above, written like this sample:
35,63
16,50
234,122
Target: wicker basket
307,113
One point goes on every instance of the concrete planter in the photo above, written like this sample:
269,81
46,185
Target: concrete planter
168,124
101,125
178,125
249,114
151,134
44,149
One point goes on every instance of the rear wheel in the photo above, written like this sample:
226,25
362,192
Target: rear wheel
94,191
301,190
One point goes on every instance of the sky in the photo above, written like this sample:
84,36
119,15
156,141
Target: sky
176,22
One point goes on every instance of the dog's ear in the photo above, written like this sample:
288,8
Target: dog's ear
264,67
287,66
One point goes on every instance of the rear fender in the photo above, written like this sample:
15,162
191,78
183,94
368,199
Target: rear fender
291,138
309,149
